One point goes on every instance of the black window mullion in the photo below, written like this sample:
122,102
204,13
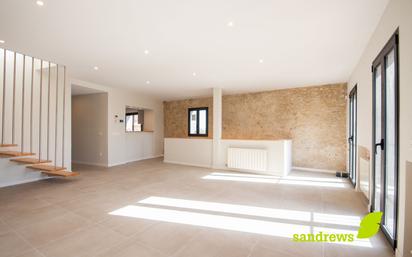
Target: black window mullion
197,112
197,122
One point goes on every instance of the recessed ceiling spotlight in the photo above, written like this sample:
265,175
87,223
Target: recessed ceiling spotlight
39,3
261,61
96,68
2,41
194,74
230,24
148,82
146,52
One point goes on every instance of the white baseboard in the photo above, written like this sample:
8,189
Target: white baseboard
189,164
90,163
315,170
135,160
22,181
220,168
265,173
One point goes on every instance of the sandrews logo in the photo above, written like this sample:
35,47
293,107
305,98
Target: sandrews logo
369,226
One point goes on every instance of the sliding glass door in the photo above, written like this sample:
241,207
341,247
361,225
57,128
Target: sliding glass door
352,134
385,136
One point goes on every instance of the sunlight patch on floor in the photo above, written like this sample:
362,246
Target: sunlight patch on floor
229,208
307,222
287,214
213,221
288,180
346,220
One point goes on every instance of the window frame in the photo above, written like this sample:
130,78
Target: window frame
133,114
198,109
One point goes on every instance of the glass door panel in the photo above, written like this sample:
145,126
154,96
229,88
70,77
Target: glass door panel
378,137
390,143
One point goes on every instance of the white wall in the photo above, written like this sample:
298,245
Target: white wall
126,147
189,151
89,129
397,14
149,120
13,173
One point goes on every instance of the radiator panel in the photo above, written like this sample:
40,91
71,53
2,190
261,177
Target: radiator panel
247,159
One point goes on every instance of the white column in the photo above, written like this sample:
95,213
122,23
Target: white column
217,125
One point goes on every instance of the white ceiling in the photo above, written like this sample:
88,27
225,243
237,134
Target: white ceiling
301,42
79,90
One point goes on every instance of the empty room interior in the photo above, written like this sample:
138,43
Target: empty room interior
205,128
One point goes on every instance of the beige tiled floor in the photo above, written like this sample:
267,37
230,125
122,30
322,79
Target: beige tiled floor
71,217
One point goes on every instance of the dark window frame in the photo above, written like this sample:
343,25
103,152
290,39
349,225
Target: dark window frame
353,137
198,109
380,60
133,114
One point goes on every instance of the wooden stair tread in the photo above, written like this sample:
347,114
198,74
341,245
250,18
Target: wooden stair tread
61,173
14,153
7,145
45,167
30,160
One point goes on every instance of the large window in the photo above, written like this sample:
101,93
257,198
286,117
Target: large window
198,121
132,122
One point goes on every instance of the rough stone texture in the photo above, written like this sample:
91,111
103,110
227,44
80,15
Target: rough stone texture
175,116
313,117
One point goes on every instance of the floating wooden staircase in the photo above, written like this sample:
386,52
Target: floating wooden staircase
61,173
45,167
52,170
9,130
36,164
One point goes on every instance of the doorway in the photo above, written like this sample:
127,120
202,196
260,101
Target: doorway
352,140
89,126
385,137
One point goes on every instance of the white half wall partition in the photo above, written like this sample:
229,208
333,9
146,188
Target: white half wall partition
188,151
279,154
199,152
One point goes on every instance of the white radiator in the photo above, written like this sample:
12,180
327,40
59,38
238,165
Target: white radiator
247,159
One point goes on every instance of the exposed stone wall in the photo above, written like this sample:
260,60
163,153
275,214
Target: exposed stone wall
313,117
175,116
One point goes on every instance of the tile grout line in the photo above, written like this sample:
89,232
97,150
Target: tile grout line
27,242
187,243
253,247
63,237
